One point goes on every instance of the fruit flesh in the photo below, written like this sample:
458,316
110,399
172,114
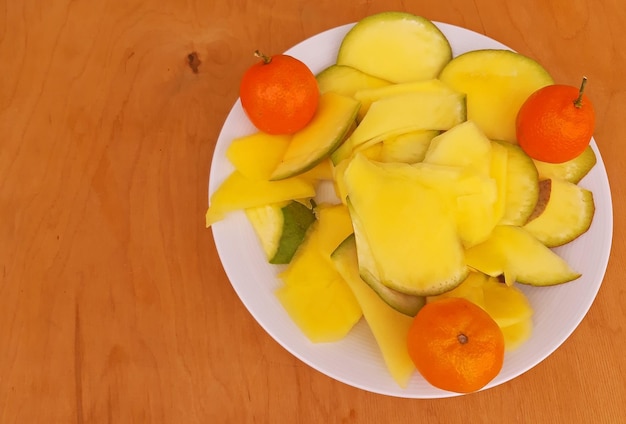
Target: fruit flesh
496,82
311,145
346,80
567,212
395,46
573,170
408,112
513,252
238,192
387,206
369,96
407,148
389,327
522,186
257,155
315,296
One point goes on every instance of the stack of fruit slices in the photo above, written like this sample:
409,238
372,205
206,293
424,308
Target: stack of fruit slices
434,197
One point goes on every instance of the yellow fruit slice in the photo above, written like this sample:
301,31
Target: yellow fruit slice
395,46
496,83
334,226
471,289
406,227
516,334
513,252
334,117
346,80
419,110
465,146
506,304
522,186
498,171
407,148
564,212
238,192
257,155
371,95
315,296
572,171
321,171
389,327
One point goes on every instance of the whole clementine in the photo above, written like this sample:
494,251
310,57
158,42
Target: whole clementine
555,124
279,94
456,345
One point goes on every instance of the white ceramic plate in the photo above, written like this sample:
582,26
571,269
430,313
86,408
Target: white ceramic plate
356,360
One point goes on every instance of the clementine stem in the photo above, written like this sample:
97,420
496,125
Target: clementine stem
579,101
266,59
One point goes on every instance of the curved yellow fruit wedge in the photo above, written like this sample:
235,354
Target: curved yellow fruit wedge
346,80
573,170
281,227
238,192
334,117
389,327
315,296
516,334
395,46
564,212
513,252
507,305
521,185
496,83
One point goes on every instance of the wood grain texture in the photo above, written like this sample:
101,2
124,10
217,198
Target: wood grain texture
114,307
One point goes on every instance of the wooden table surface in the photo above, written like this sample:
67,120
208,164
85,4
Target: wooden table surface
114,306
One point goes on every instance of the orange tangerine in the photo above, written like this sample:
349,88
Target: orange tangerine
456,345
279,94
555,124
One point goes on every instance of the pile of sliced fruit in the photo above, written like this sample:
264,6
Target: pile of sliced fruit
434,197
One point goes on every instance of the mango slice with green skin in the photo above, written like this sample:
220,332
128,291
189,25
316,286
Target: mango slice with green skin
281,228
238,192
498,171
515,253
572,171
471,289
496,83
346,80
371,95
412,111
564,212
407,148
395,46
389,327
405,235
516,334
315,295
311,145
522,185
464,145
